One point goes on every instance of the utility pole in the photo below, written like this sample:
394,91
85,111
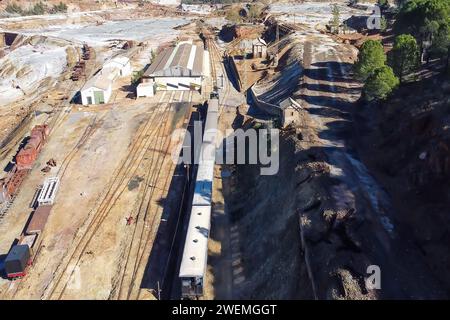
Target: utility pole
159,291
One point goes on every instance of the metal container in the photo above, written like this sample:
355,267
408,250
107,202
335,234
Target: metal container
34,143
17,260
38,220
13,184
25,158
28,240
42,129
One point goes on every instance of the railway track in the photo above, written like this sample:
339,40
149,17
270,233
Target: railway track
97,216
88,132
145,218
216,58
172,277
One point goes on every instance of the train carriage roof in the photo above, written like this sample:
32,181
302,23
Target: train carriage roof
195,251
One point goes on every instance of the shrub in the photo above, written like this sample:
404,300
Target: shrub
371,56
380,84
13,8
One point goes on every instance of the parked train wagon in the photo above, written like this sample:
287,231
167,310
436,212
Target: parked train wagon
21,255
17,261
204,184
11,184
210,131
38,220
27,156
213,102
195,253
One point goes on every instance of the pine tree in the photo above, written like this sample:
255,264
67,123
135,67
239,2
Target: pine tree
370,57
380,84
405,55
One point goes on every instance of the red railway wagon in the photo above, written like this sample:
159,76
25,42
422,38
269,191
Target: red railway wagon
15,181
22,255
26,157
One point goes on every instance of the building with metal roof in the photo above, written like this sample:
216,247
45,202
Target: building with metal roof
120,63
178,68
98,89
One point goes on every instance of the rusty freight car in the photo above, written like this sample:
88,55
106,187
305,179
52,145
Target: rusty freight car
26,156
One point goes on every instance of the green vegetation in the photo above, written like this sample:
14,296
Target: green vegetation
38,8
383,24
13,8
59,8
254,12
405,55
233,15
370,57
152,55
421,27
379,79
429,22
336,20
380,84
136,76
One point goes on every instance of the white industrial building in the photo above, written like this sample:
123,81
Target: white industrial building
119,63
145,89
98,89
178,68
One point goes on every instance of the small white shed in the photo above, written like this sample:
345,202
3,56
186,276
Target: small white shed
97,90
121,63
145,89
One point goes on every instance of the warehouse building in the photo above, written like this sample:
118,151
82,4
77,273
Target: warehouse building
177,68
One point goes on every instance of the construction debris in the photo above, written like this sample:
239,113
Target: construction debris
51,162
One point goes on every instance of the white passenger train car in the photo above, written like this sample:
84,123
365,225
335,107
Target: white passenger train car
195,254
203,184
193,265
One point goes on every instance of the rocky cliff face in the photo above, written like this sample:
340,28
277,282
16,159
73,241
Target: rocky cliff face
407,143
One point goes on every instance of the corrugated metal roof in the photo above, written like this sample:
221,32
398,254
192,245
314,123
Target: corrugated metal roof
119,60
101,80
184,60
